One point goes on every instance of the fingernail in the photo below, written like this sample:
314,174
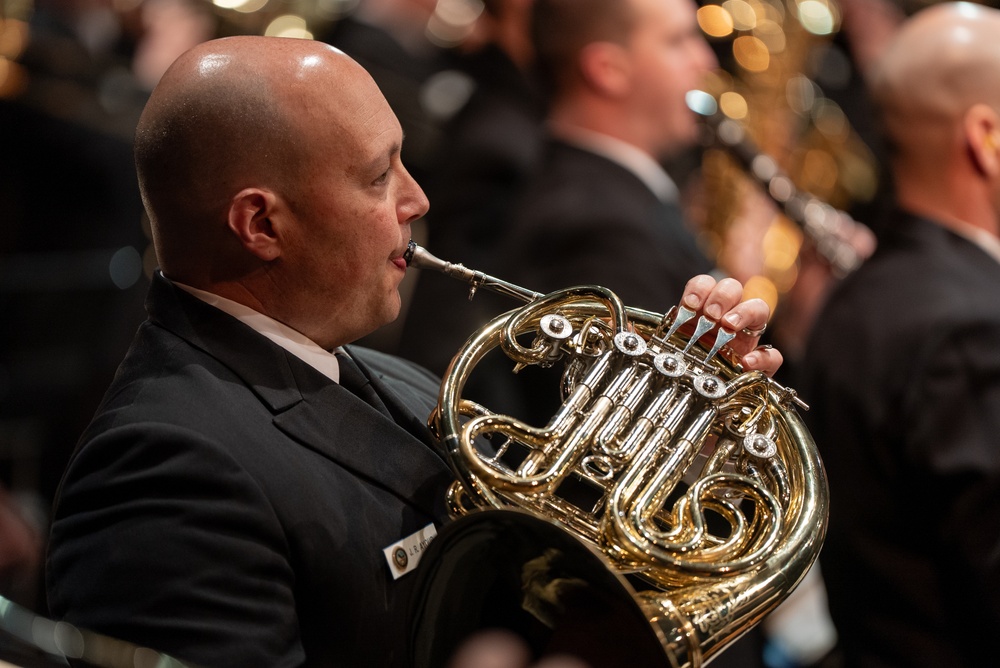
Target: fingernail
713,311
692,301
751,359
733,321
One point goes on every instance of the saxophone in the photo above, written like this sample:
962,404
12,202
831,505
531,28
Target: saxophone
672,501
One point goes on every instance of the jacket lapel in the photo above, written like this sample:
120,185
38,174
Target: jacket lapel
310,408
337,424
408,409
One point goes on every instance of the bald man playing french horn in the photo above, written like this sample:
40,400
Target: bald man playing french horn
231,502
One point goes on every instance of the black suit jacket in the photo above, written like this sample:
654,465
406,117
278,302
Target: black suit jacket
229,504
588,220
903,376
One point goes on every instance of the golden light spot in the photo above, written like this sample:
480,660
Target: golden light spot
771,34
819,171
751,53
759,287
13,38
744,17
858,174
781,246
830,120
717,81
715,21
288,25
733,105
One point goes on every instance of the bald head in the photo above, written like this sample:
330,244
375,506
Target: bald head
942,62
938,86
231,114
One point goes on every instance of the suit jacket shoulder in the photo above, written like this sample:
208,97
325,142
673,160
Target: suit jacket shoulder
221,472
903,376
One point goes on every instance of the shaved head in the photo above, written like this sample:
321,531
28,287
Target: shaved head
942,62
230,114
272,174
938,87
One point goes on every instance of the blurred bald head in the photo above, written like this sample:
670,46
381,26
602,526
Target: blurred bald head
938,86
230,114
942,62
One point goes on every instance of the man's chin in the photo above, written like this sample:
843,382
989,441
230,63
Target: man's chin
392,311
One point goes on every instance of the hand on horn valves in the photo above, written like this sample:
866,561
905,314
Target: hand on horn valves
722,301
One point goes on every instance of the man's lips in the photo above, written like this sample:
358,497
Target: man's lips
399,260
402,257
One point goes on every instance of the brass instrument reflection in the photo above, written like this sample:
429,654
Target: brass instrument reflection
770,97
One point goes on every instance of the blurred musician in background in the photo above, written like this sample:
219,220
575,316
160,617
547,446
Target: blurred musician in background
601,209
234,498
906,409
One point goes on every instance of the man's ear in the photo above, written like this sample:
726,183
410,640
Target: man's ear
250,213
606,68
982,132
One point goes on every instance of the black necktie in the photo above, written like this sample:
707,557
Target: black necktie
354,381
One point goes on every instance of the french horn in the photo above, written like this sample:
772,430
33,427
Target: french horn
673,494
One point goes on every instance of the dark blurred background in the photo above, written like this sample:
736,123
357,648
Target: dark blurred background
75,252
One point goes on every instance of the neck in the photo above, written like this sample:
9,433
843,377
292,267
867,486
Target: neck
598,116
948,196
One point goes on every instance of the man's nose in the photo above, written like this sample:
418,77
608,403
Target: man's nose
413,202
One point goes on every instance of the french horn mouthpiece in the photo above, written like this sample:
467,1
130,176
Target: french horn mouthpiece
411,248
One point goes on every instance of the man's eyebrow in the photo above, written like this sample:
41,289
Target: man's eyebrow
393,150
378,162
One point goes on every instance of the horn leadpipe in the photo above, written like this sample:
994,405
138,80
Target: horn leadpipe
420,258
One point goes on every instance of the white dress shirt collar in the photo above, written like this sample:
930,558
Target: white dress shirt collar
977,235
282,335
632,158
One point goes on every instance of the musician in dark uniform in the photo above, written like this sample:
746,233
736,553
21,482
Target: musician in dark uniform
600,209
253,489
906,409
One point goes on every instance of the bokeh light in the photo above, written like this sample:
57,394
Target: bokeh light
817,17
288,25
715,21
772,34
734,105
744,16
751,53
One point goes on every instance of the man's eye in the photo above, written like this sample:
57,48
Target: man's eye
382,178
